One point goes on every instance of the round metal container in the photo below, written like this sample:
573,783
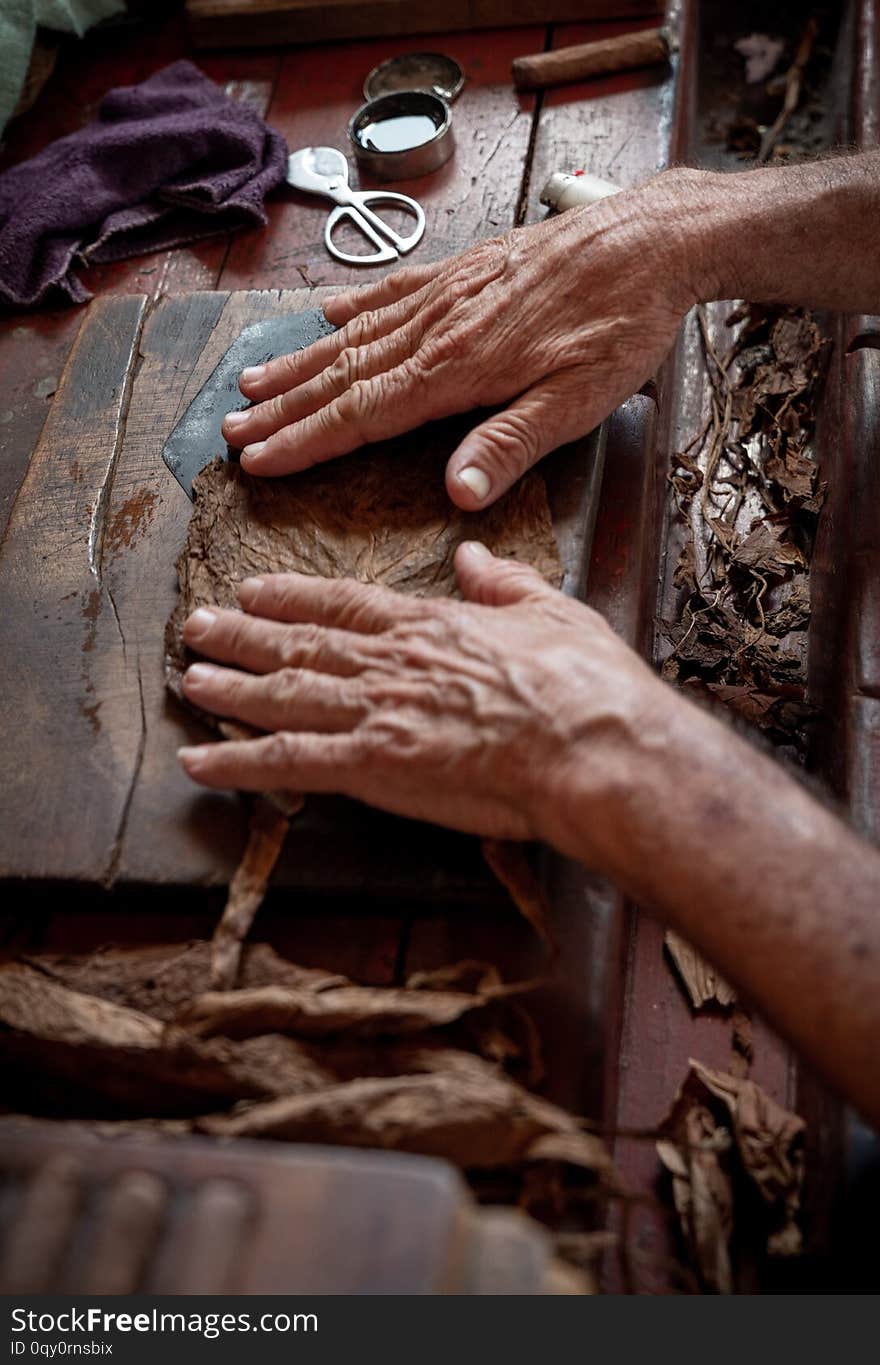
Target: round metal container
402,135
432,71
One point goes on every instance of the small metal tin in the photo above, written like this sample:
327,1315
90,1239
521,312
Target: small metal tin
402,135
432,71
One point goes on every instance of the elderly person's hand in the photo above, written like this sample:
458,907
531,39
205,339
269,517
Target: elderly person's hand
562,321
482,715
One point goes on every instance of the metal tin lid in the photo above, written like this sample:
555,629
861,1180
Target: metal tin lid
431,71
401,135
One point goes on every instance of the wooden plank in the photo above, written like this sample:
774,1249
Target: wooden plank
473,196
250,23
91,583
66,783
616,126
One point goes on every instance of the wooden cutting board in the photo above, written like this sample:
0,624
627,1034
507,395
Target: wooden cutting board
254,23
92,791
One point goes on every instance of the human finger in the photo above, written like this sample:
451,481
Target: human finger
261,646
299,762
499,450
495,582
290,699
259,382
340,603
351,364
370,410
348,303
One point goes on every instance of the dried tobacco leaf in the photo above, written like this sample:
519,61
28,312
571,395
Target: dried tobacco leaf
749,521
724,1130
344,1009
72,1052
701,980
161,980
480,1120
699,1163
268,830
381,516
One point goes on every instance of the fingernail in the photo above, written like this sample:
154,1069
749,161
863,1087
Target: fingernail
201,619
476,480
188,755
476,547
198,673
235,419
253,374
255,449
252,585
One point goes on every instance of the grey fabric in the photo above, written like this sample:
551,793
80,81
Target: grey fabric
19,21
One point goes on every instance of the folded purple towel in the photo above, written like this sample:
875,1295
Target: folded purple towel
167,161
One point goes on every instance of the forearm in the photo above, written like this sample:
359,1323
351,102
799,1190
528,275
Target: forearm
776,892
803,235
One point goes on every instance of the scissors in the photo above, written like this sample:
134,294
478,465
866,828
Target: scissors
324,170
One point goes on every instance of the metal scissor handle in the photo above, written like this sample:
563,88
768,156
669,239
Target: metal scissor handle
374,228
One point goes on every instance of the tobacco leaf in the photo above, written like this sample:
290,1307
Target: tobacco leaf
722,1138
702,1192
478,1120
749,522
380,516
702,982
509,862
766,548
365,1011
268,829
72,1050
161,980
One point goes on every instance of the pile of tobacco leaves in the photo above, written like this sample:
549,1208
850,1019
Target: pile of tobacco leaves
748,495
135,1044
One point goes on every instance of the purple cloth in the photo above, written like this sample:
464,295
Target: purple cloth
167,161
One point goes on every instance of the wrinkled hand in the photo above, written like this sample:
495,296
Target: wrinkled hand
471,714
566,318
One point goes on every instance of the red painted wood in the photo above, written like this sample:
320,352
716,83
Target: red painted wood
615,126
474,195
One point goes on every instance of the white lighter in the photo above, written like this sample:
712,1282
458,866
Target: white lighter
564,191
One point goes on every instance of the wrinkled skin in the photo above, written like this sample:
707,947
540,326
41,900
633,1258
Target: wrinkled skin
469,714
518,712
560,321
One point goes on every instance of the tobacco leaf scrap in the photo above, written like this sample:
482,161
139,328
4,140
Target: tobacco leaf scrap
747,494
702,982
723,1137
476,1121
336,1010
268,830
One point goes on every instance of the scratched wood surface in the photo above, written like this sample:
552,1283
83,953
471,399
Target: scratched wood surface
87,571
474,195
618,1023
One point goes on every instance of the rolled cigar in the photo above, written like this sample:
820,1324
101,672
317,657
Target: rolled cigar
542,70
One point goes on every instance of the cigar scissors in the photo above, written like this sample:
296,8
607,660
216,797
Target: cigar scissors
324,170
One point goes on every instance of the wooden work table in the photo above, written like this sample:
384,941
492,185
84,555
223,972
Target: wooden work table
617,1027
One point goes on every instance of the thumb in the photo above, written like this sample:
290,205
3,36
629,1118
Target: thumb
496,453
495,582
